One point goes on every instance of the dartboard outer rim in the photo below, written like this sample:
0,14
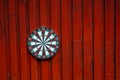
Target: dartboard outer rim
42,57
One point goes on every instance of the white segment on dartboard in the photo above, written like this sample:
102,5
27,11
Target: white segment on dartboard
35,37
50,37
52,43
46,51
40,34
34,43
51,48
40,51
46,33
36,48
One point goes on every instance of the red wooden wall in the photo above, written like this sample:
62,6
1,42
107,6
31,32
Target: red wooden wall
89,31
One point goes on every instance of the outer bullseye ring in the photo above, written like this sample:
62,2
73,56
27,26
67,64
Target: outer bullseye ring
43,43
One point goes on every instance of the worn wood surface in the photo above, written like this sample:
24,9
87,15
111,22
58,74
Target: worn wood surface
89,33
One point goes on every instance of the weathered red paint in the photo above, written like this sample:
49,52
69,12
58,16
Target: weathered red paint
99,44
89,33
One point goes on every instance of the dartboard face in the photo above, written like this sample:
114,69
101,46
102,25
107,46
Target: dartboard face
43,43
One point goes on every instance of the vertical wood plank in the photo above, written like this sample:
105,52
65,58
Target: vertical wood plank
45,21
88,39
109,40
33,26
18,37
3,71
8,64
117,39
77,40
98,40
23,36
28,32
45,13
13,40
67,40
56,26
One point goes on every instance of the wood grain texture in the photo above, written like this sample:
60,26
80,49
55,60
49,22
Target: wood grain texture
88,39
3,65
23,34
89,33
14,50
66,40
8,60
117,39
99,40
77,40
109,40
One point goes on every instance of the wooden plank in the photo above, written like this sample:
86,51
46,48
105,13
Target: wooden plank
8,64
109,40
88,39
45,21
77,40
66,40
3,71
99,40
56,25
33,26
117,39
23,35
18,38
13,40
28,32
45,13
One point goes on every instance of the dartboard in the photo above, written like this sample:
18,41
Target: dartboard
43,43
